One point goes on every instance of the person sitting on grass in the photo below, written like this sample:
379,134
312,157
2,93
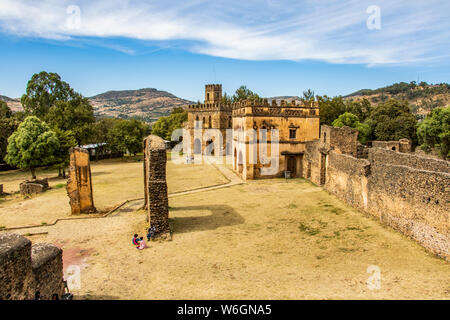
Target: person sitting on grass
142,244
136,240
151,233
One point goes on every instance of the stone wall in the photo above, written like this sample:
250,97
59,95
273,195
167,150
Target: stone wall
25,269
30,187
79,184
405,191
403,145
156,198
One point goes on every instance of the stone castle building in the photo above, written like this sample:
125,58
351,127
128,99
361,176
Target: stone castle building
213,114
246,131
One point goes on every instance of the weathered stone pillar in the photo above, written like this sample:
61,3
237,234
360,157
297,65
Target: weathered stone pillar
79,185
156,200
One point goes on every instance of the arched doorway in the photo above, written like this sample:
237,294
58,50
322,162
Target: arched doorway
197,146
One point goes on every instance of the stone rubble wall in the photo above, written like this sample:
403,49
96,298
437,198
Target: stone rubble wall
402,190
25,269
30,187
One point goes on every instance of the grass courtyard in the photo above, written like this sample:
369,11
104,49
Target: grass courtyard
266,239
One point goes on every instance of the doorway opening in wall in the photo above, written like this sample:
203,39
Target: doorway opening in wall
292,165
323,168
240,163
209,147
197,146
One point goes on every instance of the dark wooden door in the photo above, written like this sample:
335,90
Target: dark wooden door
292,166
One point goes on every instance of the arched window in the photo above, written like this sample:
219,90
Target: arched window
209,122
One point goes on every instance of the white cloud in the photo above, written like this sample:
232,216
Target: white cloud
330,30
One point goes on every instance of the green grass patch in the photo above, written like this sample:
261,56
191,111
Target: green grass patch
308,230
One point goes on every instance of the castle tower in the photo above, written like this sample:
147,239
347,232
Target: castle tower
213,93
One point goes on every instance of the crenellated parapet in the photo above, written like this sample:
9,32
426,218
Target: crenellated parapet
261,107
258,103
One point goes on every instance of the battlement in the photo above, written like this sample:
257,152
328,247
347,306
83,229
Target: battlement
213,87
219,106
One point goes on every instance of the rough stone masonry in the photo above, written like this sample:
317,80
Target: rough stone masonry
156,199
25,269
79,185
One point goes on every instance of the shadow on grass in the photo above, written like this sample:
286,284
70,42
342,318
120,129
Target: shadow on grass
221,216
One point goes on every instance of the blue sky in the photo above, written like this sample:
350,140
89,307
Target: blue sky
274,47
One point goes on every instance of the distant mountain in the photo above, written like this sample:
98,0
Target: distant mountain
422,97
147,104
13,104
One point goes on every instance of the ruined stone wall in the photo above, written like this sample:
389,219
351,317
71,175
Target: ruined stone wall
347,177
405,191
25,269
47,267
79,184
156,202
30,187
411,160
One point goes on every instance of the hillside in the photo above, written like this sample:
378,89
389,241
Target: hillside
422,97
13,104
147,104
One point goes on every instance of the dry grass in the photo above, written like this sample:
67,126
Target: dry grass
262,240
114,181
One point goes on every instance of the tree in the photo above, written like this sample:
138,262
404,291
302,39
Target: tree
75,115
434,132
32,145
226,99
166,125
5,111
308,96
55,102
393,120
330,109
66,141
7,128
352,121
43,91
127,135
361,108
243,93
